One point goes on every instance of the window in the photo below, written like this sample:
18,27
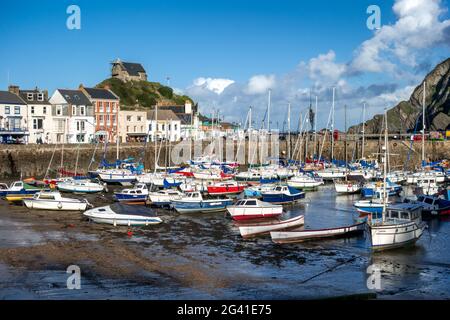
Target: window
128,118
113,119
16,110
74,110
7,110
163,127
82,110
58,110
32,109
134,129
128,128
106,106
150,127
175,127
394,214
29,96
37,124
44,110
40,97
139,118
100,104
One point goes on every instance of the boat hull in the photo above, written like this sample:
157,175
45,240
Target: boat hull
200,206
55,205
248,231
386,237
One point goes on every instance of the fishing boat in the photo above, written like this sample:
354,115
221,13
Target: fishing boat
120,214
81,186
283,194
305,181
163,198
308,235
52,200
254,229
347,187
194,202
19,188
253,209
229,187
137,194
432,205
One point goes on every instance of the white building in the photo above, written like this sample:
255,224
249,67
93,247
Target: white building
190,124
166,127
13,114
39,114
73,117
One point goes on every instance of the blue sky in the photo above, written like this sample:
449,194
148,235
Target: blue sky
198,43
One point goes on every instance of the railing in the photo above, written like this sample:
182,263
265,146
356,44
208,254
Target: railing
14,129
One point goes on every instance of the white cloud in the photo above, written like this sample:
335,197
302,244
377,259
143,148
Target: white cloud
418,27
216,85
324,68
260,83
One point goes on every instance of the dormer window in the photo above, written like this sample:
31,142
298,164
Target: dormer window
40,97
29,96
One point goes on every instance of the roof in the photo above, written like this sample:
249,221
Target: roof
185,118
7,97
24,95
175,109
133,69
75,97
101,93
162,115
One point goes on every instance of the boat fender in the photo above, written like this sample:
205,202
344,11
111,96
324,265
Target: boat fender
59,205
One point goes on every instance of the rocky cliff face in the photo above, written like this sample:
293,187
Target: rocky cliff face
403,117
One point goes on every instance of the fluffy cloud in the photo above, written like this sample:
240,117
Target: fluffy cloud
216,85
325,68
260,83
418,27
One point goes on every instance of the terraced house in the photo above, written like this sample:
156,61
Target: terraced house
106,106
13,112
73,117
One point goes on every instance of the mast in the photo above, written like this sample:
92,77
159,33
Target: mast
423,124
385,165
250,119
156,135
345,142
363,130
332,127
268,111
117,143
315,130
289,131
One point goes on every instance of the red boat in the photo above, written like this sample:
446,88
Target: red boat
230,187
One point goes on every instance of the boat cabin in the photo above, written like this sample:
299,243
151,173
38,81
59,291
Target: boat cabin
400,212
250,202
45,195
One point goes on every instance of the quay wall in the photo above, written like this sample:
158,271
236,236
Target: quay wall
33,160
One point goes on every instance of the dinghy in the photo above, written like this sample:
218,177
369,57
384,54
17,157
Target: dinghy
307,235
254,209
194,202
52,200
119,214
254,229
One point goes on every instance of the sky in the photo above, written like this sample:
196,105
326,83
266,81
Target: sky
226,55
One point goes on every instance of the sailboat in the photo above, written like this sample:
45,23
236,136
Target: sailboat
401,224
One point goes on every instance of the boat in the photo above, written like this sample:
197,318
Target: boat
305,181
438,175
254,209
283,194
375,189
120,214
52,200
163,198
249,176
307,235
139,193
19,188
121,176
81,186
428,185
211,175
369,206
194,202
432,205
332,173
256,190
347,187
254,229
228,187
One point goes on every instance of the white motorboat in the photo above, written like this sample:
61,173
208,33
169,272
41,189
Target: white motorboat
305,181
81,186
347,187
164,197
415,177
121,176
428,184
119,214
254,209
52,200
194,202
332,173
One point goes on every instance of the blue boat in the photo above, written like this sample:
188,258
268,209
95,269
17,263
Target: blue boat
194,202
18,188
137,194
374,190
283,194
369,206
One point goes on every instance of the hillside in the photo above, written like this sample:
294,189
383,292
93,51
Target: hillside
143,93
403,117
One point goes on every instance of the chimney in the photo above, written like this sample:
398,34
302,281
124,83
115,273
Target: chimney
80,87
14,89
45,92
106,86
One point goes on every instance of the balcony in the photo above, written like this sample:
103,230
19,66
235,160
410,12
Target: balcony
13,130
